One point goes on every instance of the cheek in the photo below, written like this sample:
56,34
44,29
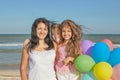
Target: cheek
58,36
71,34
62,33
37,31
46,32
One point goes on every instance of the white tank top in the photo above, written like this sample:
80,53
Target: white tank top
41,65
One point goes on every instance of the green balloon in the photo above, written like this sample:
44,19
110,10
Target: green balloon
84,63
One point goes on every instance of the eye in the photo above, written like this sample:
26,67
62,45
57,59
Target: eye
39,28
45,29
63,31
69,30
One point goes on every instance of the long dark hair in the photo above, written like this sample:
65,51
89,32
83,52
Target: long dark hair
34,39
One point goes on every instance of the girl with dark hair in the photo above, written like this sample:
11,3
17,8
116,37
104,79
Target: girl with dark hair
37,61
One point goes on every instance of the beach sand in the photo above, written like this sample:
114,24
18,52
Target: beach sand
9,75
9,72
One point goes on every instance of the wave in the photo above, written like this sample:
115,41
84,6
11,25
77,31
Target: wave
10,47
11,44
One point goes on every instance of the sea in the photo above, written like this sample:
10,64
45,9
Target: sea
11,47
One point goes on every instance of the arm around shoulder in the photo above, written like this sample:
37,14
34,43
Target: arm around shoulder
26,42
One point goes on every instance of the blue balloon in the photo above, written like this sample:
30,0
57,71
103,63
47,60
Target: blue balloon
100,52
114,57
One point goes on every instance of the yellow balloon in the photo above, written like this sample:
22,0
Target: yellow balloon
103,71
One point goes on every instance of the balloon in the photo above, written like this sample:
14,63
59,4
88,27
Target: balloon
100,52
103,71
89,76
114,57
116,72
84,63
109,43
86,44
89,51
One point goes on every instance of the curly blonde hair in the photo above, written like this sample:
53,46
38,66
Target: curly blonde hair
73,46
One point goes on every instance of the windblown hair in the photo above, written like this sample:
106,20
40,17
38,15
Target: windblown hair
56,27
34,38
73,45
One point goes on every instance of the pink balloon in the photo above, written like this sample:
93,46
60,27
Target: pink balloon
109,43
116,72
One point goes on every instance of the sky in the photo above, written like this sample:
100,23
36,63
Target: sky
95,16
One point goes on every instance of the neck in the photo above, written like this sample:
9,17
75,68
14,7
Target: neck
41,46
65,42
41,42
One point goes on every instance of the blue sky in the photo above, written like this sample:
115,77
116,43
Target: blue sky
97,16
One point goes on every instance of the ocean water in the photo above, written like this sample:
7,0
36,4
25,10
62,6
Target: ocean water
11,46
10,50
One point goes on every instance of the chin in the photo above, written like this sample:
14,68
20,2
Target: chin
41,38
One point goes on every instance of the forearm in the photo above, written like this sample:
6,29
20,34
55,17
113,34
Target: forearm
24,64
23,73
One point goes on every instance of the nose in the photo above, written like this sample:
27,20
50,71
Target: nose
65,33
42,31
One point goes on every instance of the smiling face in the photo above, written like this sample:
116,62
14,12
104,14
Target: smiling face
66,33
41,31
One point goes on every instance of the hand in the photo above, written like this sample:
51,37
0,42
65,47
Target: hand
25,43
67,60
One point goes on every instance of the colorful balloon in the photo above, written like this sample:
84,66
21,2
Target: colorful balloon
114,57
84,63
103,71
116,72
100,52
109,43
89,51
86,46
89,76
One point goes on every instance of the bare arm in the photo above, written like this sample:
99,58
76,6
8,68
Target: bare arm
55,45
24,64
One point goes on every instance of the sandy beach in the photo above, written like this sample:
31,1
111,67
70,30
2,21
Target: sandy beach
9,75
9,72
